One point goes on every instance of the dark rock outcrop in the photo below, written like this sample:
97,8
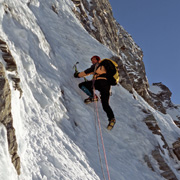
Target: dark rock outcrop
162,98
10,65
5,101
166,171
176,148
8,58
6,118
159,151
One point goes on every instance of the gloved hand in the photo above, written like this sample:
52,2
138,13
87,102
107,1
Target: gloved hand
76,74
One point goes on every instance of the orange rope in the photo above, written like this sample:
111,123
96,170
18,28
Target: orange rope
100,160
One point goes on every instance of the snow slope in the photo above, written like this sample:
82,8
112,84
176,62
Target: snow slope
55,131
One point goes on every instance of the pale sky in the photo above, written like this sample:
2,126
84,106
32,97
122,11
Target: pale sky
155,27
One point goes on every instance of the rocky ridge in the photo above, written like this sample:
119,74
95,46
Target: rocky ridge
5,102
161,98
159,152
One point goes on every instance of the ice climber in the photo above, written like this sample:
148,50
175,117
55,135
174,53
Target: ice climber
100,83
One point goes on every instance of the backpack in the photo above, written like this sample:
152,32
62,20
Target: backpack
112,71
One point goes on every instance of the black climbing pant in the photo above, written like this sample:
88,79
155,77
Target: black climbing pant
103,87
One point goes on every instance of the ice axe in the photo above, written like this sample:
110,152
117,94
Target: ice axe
75,67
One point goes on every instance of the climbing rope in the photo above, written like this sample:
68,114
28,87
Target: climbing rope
100,160
99,124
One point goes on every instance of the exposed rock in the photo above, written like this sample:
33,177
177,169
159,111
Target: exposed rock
8,58
16,84
161,98
147,160
157,154
177,123
6,118
176,148
10,65
153,126
166,171
5,101
54,8
165,94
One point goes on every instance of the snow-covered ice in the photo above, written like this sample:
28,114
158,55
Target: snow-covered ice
55,131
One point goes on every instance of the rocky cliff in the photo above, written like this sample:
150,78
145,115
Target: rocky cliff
97,18
5,102
161,97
